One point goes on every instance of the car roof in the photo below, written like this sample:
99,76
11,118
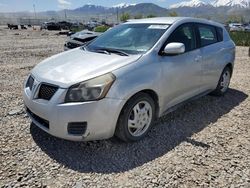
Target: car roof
171,20
162,20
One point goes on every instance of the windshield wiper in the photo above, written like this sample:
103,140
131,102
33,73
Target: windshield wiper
83,48
108,51
102,51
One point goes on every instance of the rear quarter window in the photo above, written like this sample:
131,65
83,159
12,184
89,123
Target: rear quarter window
219,34
208,35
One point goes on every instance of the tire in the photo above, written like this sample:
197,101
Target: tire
223,83
136,118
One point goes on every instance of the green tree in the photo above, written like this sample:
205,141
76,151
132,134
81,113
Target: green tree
124,17
173,14
151,16
101,28
138,16
234,18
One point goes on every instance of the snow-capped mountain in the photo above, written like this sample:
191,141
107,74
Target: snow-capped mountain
216,3
192,3
232,3
123,5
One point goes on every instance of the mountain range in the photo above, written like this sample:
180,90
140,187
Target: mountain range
216,3
232,3
195,8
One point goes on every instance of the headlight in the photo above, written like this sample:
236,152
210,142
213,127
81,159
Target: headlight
94,89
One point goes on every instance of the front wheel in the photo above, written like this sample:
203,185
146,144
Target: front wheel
136,118
223,83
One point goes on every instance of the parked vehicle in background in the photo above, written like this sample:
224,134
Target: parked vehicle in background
51,26
76,26
247,27
23,27
92,24
12,26
131,74
236,27
44,26
80,39
65,25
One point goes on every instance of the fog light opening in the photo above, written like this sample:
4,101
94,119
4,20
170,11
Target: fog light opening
77,128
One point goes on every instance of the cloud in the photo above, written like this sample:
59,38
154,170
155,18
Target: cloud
63,3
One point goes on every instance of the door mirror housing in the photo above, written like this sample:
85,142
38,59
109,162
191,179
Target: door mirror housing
174,48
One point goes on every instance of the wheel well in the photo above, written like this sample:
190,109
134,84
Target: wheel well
230,66
155,97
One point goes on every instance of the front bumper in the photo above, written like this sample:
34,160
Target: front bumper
101,116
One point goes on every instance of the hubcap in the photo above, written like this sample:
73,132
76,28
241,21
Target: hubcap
139,118
225,81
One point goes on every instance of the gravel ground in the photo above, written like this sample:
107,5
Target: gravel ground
206,143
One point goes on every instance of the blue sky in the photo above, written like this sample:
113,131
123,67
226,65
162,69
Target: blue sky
41,5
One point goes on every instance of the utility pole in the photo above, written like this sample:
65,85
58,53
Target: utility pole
34,6
65,14
34,13
117,15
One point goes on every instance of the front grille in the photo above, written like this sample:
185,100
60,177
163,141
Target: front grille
47,91
43,122
30,82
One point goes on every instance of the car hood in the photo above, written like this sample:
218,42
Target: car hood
77,65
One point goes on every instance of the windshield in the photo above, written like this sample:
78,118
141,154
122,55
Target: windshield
129,38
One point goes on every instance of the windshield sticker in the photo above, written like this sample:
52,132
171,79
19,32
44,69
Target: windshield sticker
141,50
158,26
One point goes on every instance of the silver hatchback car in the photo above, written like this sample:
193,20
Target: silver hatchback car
124,79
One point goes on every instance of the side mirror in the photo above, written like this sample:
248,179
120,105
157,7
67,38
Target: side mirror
174,48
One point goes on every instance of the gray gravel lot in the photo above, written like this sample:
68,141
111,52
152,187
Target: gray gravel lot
206,143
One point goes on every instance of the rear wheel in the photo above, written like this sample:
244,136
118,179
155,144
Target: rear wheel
223,83
136,118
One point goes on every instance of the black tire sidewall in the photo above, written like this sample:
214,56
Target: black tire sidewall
218,91
221,78
122,125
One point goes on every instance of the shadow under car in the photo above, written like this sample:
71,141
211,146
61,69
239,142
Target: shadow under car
113,155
